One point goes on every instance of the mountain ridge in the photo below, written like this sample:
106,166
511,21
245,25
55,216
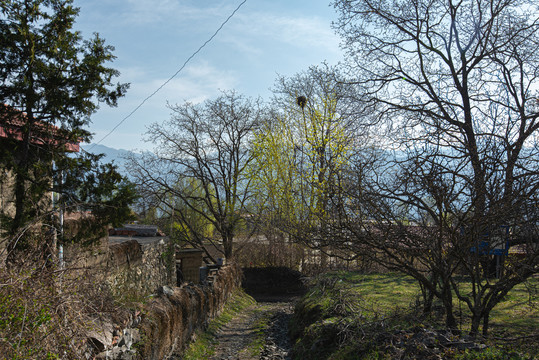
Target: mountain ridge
118,157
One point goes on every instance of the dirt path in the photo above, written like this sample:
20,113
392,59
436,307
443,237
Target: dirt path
260,332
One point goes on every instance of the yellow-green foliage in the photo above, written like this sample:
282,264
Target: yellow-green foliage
299,156
197,221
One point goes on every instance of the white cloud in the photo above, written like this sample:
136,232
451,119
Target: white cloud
301,32
154,38
306,32
195,84
199,82
151,11
247,31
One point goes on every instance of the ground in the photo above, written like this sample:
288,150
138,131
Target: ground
254,324
259,332
354,315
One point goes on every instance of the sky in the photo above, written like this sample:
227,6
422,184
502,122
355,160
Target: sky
153,38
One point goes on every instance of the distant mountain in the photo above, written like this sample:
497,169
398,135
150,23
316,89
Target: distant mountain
117,156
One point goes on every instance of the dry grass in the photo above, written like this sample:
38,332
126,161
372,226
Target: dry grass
47,312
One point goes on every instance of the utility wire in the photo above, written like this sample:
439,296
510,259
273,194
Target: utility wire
172,77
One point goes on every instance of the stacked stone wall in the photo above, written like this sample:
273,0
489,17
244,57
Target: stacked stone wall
172,318
139,270
130,269
169,321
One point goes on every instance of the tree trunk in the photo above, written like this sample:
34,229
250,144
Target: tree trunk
428,299
486,316
447,300
450,320
428,296
19,193
476,320
228,246
22,169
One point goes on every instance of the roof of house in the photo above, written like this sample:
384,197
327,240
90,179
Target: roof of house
44,133
136,230
143,234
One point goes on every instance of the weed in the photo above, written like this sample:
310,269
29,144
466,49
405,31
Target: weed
46,313
260,326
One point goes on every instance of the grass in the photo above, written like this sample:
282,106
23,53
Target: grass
343,306
204,345
385,291
518,311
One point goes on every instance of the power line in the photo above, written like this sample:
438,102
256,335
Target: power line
172,77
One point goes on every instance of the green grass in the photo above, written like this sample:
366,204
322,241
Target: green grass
488,354
386,291
344,302
204,345
518,311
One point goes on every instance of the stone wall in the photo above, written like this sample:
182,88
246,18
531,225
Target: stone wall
130,269
139,270
173,317
170,316
169,321
7,181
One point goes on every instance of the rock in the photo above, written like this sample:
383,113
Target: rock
117,353
442,339
101,355
466,345
165,290
130,337
101,335
96,344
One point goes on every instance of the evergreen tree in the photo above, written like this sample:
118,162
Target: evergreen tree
51,81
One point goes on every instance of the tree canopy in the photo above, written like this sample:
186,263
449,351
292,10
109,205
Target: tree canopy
199,169
56,80
454,86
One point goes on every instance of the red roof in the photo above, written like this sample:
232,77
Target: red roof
44,133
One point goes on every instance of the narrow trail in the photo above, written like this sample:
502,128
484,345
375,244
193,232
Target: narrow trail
260,332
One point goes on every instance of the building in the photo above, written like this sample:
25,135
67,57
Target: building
13,125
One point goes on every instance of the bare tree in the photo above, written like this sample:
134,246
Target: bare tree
455,85
198,170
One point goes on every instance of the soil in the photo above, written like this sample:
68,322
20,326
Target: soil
235,339
276,290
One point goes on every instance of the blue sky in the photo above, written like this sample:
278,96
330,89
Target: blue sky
153,38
